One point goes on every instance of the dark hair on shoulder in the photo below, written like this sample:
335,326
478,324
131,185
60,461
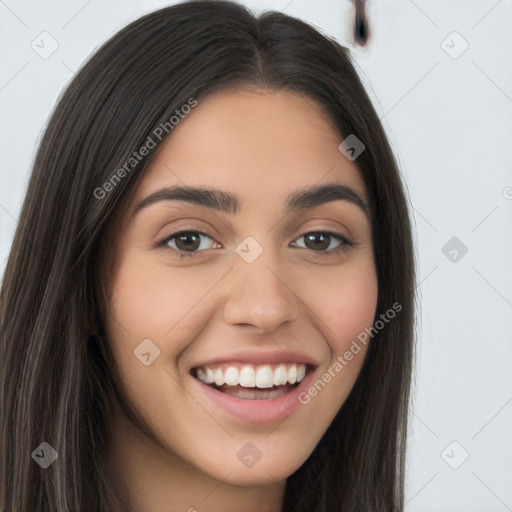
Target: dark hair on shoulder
57,372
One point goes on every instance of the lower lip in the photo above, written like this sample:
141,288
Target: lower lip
261,412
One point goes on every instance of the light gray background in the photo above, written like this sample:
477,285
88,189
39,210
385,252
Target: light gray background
449,120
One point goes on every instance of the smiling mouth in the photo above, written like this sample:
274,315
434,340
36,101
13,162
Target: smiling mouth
253,382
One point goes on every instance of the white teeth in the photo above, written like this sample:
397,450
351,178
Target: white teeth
218,377
292,374
280,375
262,376
231,376
247,377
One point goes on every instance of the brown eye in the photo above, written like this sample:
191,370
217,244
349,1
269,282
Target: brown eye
317,241
320,241
189,241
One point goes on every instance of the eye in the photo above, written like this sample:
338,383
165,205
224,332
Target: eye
321,241
187,242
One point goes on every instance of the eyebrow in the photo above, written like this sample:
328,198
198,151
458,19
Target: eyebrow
228,202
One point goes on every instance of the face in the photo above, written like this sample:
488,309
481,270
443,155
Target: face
220,303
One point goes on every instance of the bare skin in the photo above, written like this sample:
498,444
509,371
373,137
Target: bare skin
298,296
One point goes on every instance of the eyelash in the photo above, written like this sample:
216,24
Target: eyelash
345,245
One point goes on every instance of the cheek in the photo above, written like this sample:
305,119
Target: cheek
346,305
152,300
346,302
355,311
342,301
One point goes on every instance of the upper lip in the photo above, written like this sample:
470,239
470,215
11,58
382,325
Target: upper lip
259,357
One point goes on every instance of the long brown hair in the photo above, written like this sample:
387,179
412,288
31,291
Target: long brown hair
58,375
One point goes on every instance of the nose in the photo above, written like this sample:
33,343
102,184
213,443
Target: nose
260,295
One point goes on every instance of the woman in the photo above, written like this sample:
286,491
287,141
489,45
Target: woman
209,299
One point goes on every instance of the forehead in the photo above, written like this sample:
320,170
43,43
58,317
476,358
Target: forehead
256,144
